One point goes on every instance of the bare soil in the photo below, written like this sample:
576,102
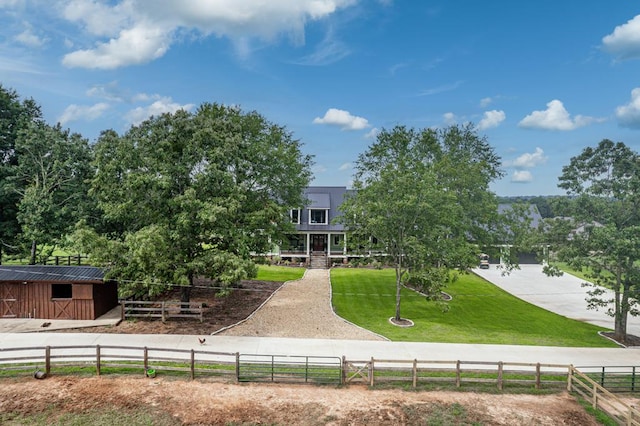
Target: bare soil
174,402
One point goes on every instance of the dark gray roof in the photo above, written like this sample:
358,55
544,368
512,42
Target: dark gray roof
30,273
323,197
532,212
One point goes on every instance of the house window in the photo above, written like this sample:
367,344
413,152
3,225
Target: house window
318,217
61,291
336,240
295,216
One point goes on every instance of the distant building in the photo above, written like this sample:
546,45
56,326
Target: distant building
55,292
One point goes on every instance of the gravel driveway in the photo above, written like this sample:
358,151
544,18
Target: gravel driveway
301,308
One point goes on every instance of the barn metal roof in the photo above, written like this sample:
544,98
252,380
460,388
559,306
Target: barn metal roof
30,273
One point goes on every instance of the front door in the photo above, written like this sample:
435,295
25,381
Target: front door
319,242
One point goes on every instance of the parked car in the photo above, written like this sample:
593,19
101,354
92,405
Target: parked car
484,261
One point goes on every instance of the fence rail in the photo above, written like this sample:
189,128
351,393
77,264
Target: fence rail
162,310
106,359
602,399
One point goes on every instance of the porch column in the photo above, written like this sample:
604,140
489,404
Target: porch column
308,245
329,244
344,244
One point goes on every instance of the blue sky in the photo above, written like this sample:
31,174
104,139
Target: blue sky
541,80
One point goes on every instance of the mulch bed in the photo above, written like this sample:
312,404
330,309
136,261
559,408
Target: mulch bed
220,311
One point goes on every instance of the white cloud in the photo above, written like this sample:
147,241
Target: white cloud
371,134
136,45
345,166
449,118
143,30
491,119
522,176
624,42
530,160
83,112
555,117
485,102
342,119
28,38
441,89
161,106
629,115
327,52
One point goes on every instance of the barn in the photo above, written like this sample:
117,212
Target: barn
55,292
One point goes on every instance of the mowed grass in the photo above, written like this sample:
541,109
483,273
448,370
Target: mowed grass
479,313
279,273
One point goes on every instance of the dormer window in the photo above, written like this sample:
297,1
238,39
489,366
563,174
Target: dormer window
294,214
318,216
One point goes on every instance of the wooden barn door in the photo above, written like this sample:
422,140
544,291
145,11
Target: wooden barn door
11,299
63,309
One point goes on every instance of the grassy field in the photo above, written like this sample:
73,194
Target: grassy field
479,313
279,273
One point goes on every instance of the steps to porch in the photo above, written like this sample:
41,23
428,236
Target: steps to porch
318,260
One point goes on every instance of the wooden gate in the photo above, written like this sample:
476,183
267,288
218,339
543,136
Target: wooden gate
11,299
356,371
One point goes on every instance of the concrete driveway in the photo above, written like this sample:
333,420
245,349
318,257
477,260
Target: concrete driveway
563,295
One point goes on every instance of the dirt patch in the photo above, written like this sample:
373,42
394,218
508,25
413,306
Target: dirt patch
220,312
199,402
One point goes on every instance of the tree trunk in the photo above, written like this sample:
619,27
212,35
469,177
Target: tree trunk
621,313
185,295
398,289
32,260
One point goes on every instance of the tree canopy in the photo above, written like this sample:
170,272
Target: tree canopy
599,231
193,194
422,199
15,114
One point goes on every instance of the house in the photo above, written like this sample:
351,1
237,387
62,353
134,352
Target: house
318,241
55,292
535,221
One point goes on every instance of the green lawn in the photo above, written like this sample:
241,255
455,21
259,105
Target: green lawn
279,273
479,313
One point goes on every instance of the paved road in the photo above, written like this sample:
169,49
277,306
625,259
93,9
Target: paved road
352,349
563,295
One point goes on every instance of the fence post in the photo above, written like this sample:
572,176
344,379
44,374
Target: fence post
500,368
193,366
371,370
122,314
237,367
538,379
146,359
570,378
47,360
201,312
594,403
98,360
162,311
458,373
343,371
633,379
415,373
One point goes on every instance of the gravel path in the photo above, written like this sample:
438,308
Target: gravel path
301,309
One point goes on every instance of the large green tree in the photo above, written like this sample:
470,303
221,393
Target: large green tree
599,232
193,194
15,114
422,199
51,179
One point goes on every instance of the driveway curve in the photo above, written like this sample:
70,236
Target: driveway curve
563,295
